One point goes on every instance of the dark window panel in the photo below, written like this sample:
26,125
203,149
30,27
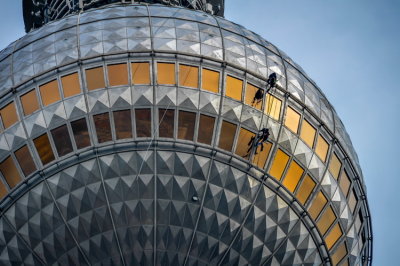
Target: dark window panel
103,128
186,125
43,147
123,124
25,160
62,140
143,123
81,133
206,129
227,136
166,122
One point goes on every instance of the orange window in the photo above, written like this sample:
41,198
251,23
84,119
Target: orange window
95,78
292,120
186,124
322,148
273,107
143,123
279,164
227,136
249,99
234,88
117,74
166,123
260,158
305,189
49,93
25,160
166,74
70,84
9,115
123,124
326,220
293,176
339,254
334,166
307,133
317,205
345,183
210,80
333,236
3,190
10,172
206,129
29,102
188,76
244,145
43,147
352,201
81,133
140,73
103,127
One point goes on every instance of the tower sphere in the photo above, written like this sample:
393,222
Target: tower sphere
160,133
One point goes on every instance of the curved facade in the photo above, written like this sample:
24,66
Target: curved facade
124,140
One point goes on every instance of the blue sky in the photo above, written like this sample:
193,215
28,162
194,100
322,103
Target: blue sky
351,49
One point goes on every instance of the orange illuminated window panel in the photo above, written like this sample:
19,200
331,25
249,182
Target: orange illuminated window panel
305,189
279,164
117,74
345,183
9,115
227,136
234,88
260,158
333,236
166,74
49,93
71,85
29,102
326,220
339,254
249,99
307,133
273,107
244,145
95,78
188,76
334,166
317,205
292,120
43,147
140,73
293,176
322,148
10,172
210,80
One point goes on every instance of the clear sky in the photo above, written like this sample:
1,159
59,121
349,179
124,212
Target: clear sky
351,49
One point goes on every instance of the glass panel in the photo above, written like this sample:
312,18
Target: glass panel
244,145
81,133
25,160
43,147
227,136
234,88
253,98
210,80
95,78
292,120
61,140
3,190
326,220
339,254
352,201
273,107
143,123
333,236
206,129
166,74
345,183
334,166
123,124
118,74
307,133
10,172
322,148
317,205
103,128
186,124
261,157
305,189
358,223
166,122
29,102
345,263
293,176
49,93
279,164
9,115
70,85
140,73
188,76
